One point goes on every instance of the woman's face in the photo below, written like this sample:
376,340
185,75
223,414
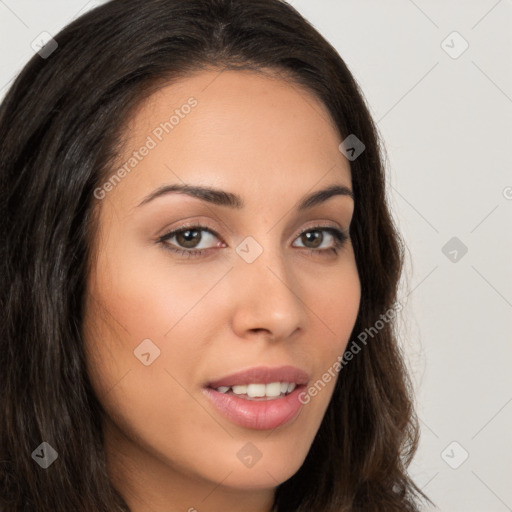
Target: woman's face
259,285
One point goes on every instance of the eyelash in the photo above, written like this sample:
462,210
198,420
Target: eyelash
339,236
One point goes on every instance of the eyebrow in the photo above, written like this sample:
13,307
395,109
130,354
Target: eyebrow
223,198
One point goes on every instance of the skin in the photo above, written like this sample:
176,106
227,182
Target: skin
271,142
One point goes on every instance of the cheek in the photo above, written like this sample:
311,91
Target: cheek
146,324
153,309
333,298
333,301
144,294
338,303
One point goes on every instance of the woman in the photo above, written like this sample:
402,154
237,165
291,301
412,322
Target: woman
199,271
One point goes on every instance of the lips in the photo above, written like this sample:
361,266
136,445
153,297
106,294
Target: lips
257,415
262,413
262,375
232,396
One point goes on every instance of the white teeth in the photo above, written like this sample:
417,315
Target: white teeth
271,390
254,390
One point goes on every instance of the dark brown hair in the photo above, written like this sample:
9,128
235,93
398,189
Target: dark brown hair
60,125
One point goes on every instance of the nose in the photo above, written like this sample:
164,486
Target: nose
266,300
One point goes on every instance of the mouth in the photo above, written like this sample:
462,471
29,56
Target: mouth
259,398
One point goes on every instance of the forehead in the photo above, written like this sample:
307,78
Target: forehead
233,129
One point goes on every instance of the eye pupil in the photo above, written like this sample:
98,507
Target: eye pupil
188,238
315,236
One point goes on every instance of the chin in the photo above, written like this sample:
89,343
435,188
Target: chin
260,476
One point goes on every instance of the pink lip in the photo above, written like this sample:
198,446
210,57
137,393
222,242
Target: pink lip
255,414
262,375
259,414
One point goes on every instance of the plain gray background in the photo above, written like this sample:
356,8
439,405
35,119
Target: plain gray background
444,112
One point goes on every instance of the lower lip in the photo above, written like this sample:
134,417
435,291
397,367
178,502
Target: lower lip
257,414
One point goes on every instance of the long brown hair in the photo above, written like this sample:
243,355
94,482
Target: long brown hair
60,125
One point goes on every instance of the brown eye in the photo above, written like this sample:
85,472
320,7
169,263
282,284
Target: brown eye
313,238
187,240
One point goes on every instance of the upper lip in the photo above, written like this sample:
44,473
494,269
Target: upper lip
262,375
